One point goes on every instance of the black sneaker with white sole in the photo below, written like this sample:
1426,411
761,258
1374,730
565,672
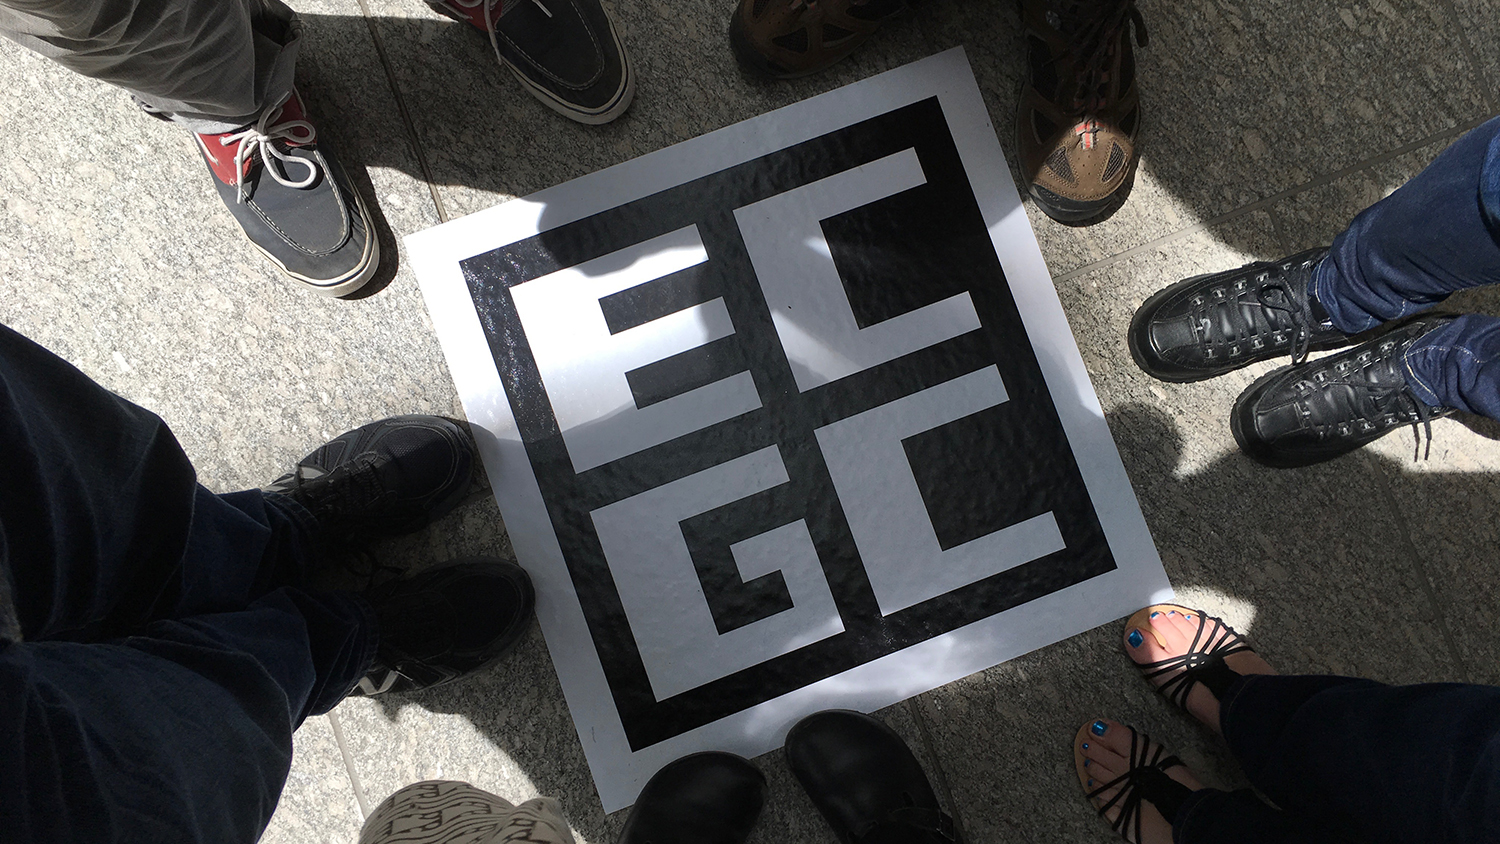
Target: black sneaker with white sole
566,52
446,622
293,201
1208,325
383,479
1300,415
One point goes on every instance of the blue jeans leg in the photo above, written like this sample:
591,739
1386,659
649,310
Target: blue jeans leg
179,734
156,648
1358,760
1435,235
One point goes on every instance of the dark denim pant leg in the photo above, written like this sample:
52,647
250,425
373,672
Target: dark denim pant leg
164,661
1356,760
1435,235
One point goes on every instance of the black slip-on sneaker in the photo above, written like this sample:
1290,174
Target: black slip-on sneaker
386,478
446,622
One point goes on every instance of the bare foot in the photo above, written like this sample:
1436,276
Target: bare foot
1166,633
1101,754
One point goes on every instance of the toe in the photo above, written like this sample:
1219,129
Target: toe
1090,753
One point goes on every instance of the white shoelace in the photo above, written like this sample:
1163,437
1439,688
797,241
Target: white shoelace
261,137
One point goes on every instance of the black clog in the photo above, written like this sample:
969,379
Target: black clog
865,781
705,798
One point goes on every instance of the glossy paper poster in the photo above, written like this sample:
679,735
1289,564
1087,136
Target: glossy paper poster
783,418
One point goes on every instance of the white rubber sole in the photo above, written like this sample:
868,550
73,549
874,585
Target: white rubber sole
617,105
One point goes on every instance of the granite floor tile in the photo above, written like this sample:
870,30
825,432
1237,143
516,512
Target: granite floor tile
1477,27
318,805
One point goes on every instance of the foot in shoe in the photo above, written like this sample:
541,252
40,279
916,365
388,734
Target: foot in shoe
386,478
865,781
703,798
446,622
1185,654
1300,415
1208,325
1079,113
1131,781
785,39
293,201
565,52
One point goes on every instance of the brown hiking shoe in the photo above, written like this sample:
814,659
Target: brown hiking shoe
1079,111
789,38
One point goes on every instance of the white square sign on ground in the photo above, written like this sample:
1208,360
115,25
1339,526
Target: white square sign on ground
783,418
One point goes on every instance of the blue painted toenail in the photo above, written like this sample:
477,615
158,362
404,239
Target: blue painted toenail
1085,745
1091,783
1086,762
1134,638
1098,728
1155,614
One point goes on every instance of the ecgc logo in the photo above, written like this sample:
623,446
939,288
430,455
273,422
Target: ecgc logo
786,420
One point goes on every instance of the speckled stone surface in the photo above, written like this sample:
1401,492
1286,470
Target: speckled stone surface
1266,127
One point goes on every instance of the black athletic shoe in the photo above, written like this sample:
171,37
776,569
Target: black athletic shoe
383,479
293,201
1300,415
865,781
704,798
1208,325
446,622
566,52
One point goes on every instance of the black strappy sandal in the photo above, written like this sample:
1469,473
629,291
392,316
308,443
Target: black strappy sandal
1145,781
1201,663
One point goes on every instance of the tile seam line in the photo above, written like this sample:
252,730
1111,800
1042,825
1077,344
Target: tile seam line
1267,201
359,789
1425,582
944,790
411,127
1471,55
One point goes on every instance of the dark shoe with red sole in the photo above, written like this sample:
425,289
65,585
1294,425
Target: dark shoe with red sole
293,201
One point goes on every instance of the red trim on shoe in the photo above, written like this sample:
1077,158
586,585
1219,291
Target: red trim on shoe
475,15
221,155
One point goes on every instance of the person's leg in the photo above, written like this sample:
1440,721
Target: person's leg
181,733
103,526
1389,763
1435,235
212,66
224,70
1211,816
